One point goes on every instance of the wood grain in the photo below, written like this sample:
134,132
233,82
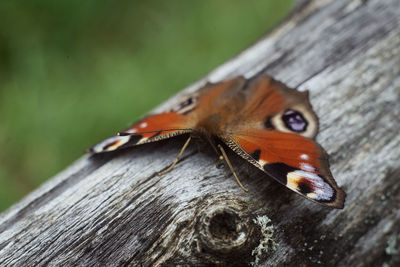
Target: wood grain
115,210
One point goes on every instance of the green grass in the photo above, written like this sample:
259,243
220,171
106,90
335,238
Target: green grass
73,72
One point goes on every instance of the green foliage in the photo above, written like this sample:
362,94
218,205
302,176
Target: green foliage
73,72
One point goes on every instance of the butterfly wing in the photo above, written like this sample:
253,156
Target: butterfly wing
182,118
150,129
179,120
293,160
275,131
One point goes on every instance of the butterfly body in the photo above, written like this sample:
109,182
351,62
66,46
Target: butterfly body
260,119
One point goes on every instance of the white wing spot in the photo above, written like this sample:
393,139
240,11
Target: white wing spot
131,131
307,167
262,163
304,156
143,125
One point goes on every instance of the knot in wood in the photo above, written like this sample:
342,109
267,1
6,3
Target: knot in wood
223,228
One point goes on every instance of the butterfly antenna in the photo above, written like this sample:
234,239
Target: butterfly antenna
230,166
177,158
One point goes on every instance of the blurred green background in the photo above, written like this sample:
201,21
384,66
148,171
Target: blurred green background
73,72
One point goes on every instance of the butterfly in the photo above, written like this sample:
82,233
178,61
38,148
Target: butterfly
261,119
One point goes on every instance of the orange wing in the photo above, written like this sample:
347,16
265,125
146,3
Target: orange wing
293,160
273,129
150,129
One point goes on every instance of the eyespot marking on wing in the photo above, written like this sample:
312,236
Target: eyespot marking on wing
115,142
187,105
268,123
313,185
294,121
305,186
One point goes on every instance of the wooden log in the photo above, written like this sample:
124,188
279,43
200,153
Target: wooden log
115,210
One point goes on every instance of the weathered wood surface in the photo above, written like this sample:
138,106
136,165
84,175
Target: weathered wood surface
115,209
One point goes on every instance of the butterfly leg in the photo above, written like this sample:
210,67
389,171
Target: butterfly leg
230,166
213,145
177,158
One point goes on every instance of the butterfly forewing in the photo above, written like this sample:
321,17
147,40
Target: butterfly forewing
150,129
293,160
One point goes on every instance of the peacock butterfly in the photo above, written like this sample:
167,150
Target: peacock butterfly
262,120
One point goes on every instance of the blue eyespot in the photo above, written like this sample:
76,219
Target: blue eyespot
294,121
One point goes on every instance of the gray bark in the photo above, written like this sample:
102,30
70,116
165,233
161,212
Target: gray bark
114,209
